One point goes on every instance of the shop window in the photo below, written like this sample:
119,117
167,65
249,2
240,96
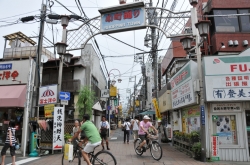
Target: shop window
244,20
225,127
226,24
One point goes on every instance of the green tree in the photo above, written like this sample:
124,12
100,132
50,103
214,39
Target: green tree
85,101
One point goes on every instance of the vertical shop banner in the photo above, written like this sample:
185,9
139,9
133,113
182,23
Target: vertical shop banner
157,111
227,78
48,95
58,127
49,110
182,91
215,148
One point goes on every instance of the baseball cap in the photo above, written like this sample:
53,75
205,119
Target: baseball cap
146,117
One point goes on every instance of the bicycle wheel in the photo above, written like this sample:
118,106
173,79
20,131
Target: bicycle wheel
76,159
156,150
136,145
104,158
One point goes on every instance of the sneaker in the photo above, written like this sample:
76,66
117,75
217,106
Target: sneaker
143,149
108,148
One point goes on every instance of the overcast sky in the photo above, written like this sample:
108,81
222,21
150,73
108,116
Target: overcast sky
12,10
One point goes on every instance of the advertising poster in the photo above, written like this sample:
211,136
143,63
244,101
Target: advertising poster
191,119
215,148
49,110
224,130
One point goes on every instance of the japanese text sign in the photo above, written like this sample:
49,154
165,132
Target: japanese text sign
157,111
58,127
182,92
226,107
113,91
227,78
215,148
123,20
48,95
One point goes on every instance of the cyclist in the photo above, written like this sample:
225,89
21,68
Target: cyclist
92,134
143,130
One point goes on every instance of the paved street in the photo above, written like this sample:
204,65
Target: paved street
125,155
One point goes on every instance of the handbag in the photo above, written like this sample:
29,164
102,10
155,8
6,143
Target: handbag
17,146
68,152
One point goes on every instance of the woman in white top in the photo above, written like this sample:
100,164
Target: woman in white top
127,126
135,125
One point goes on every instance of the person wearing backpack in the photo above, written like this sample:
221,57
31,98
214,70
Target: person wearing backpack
127,127
9,143
104,126
135,127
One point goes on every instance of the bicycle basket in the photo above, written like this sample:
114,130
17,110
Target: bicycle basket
153,137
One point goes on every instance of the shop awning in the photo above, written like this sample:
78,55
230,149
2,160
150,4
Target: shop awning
149,112
97,107
12,96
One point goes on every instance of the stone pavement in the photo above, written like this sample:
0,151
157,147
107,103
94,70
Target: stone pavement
125,155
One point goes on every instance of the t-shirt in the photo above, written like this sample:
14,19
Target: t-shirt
127,125
13,139
145,126
135,125
91,132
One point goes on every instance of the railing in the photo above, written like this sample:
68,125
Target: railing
25,52
67,85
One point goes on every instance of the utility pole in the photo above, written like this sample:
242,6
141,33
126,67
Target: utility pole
153,20
38,79
134,96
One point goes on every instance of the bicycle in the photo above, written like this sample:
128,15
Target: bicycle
100,158
152,144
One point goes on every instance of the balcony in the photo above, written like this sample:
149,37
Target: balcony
24,52
67,85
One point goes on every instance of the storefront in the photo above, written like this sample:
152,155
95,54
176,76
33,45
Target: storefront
13,80
184,97
227,82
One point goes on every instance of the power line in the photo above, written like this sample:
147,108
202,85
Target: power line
18,15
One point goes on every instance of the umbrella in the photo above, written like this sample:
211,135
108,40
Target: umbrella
148,113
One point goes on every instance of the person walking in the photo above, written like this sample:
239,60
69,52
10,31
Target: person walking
104,126
135,127
76,128
9,143
127,126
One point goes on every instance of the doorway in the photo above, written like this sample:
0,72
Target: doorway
248,128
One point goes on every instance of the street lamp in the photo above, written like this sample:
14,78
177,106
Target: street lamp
203,27
67,57
193,2
186,42
61,48
64,20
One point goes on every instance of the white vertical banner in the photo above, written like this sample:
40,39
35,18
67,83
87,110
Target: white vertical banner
58,128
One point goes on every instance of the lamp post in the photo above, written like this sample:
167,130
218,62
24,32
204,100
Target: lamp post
113,83
64,57
203,28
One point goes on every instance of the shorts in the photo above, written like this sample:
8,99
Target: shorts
90,147
5,148
104,136
142,137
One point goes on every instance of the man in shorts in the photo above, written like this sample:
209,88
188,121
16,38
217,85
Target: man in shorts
143,130
92,134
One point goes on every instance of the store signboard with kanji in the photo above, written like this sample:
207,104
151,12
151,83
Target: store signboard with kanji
58,132
182,91
119,18
215,148
227,78
48,95
14,72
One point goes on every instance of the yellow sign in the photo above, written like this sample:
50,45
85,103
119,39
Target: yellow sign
49,110
112,91
137,103
183,125
157,111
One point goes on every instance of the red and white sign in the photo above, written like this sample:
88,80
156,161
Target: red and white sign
58,128
48,95
215,147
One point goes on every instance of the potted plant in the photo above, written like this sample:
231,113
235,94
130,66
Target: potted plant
67,136
196,148
188,137
195,136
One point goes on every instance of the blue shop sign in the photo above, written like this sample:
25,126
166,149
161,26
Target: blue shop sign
6,66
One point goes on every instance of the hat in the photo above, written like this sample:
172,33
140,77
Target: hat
146,117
